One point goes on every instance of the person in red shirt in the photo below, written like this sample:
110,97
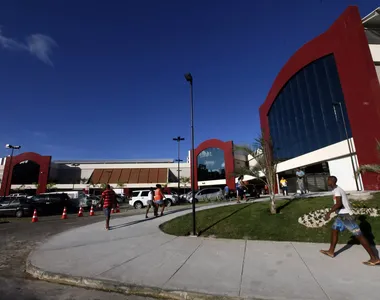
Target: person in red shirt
108,200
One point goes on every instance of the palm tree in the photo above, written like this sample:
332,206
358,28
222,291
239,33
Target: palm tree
185,181
264,166
372,168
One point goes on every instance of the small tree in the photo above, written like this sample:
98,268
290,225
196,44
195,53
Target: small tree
103,186
120,185
50,186
185,181
264,166
21,187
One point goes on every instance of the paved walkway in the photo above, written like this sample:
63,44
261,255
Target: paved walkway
136,253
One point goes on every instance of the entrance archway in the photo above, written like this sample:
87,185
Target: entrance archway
9,169
225,154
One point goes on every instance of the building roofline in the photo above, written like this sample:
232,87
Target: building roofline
114,161
369,22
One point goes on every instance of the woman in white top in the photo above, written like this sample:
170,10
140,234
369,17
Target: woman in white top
151,203
240,189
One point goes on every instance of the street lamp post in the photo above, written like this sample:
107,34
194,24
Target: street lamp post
350,150
8,146
189,79
178,139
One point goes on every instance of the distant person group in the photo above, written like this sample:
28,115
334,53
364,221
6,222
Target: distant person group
108,202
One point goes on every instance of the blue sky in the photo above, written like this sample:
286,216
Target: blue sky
104,79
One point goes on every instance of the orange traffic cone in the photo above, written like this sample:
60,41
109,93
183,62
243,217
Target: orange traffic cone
92,211
117,208
35,218
80,213
64,215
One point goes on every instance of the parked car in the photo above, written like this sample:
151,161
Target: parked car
16,207
207,194
53,203
140,199
77,198
18,195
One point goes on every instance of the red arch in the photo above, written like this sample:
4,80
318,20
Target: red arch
347,41
43,161
228,149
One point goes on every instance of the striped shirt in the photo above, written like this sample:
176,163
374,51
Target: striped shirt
109,198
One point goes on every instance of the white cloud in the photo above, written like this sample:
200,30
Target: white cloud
38,45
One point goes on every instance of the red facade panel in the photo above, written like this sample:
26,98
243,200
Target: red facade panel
115,176
105,178
347,41
144,175
96,174
162,176
153,176
134,178
125,175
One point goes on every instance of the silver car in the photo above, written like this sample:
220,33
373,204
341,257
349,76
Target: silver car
212,193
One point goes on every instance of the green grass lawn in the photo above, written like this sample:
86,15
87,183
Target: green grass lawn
253,221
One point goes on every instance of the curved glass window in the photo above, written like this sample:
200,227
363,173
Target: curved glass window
211,164
306,114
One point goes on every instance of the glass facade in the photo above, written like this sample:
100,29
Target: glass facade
306,114
211,165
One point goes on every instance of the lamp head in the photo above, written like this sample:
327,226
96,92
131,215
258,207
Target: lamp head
189,77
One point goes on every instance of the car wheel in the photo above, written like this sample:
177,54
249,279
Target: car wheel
169,202
138,205
19,214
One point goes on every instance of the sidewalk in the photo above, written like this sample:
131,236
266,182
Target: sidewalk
136,257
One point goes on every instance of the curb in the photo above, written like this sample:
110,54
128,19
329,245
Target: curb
117,287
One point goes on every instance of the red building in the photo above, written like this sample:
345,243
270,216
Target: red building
323,110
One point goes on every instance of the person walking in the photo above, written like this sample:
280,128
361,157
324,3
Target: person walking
151,203
226,193
240,193
108,200
284,186
300,180
345,220
159,198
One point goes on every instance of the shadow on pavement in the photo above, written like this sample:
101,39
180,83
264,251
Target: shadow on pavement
366,229
145,220
224,218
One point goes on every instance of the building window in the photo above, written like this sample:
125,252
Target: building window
211,165
302,118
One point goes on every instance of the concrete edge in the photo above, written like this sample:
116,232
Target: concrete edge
117,287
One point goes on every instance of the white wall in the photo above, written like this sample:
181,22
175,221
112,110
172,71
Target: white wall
375,52
378,72
324,154
342,169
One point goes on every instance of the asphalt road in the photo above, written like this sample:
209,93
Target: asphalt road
20,236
